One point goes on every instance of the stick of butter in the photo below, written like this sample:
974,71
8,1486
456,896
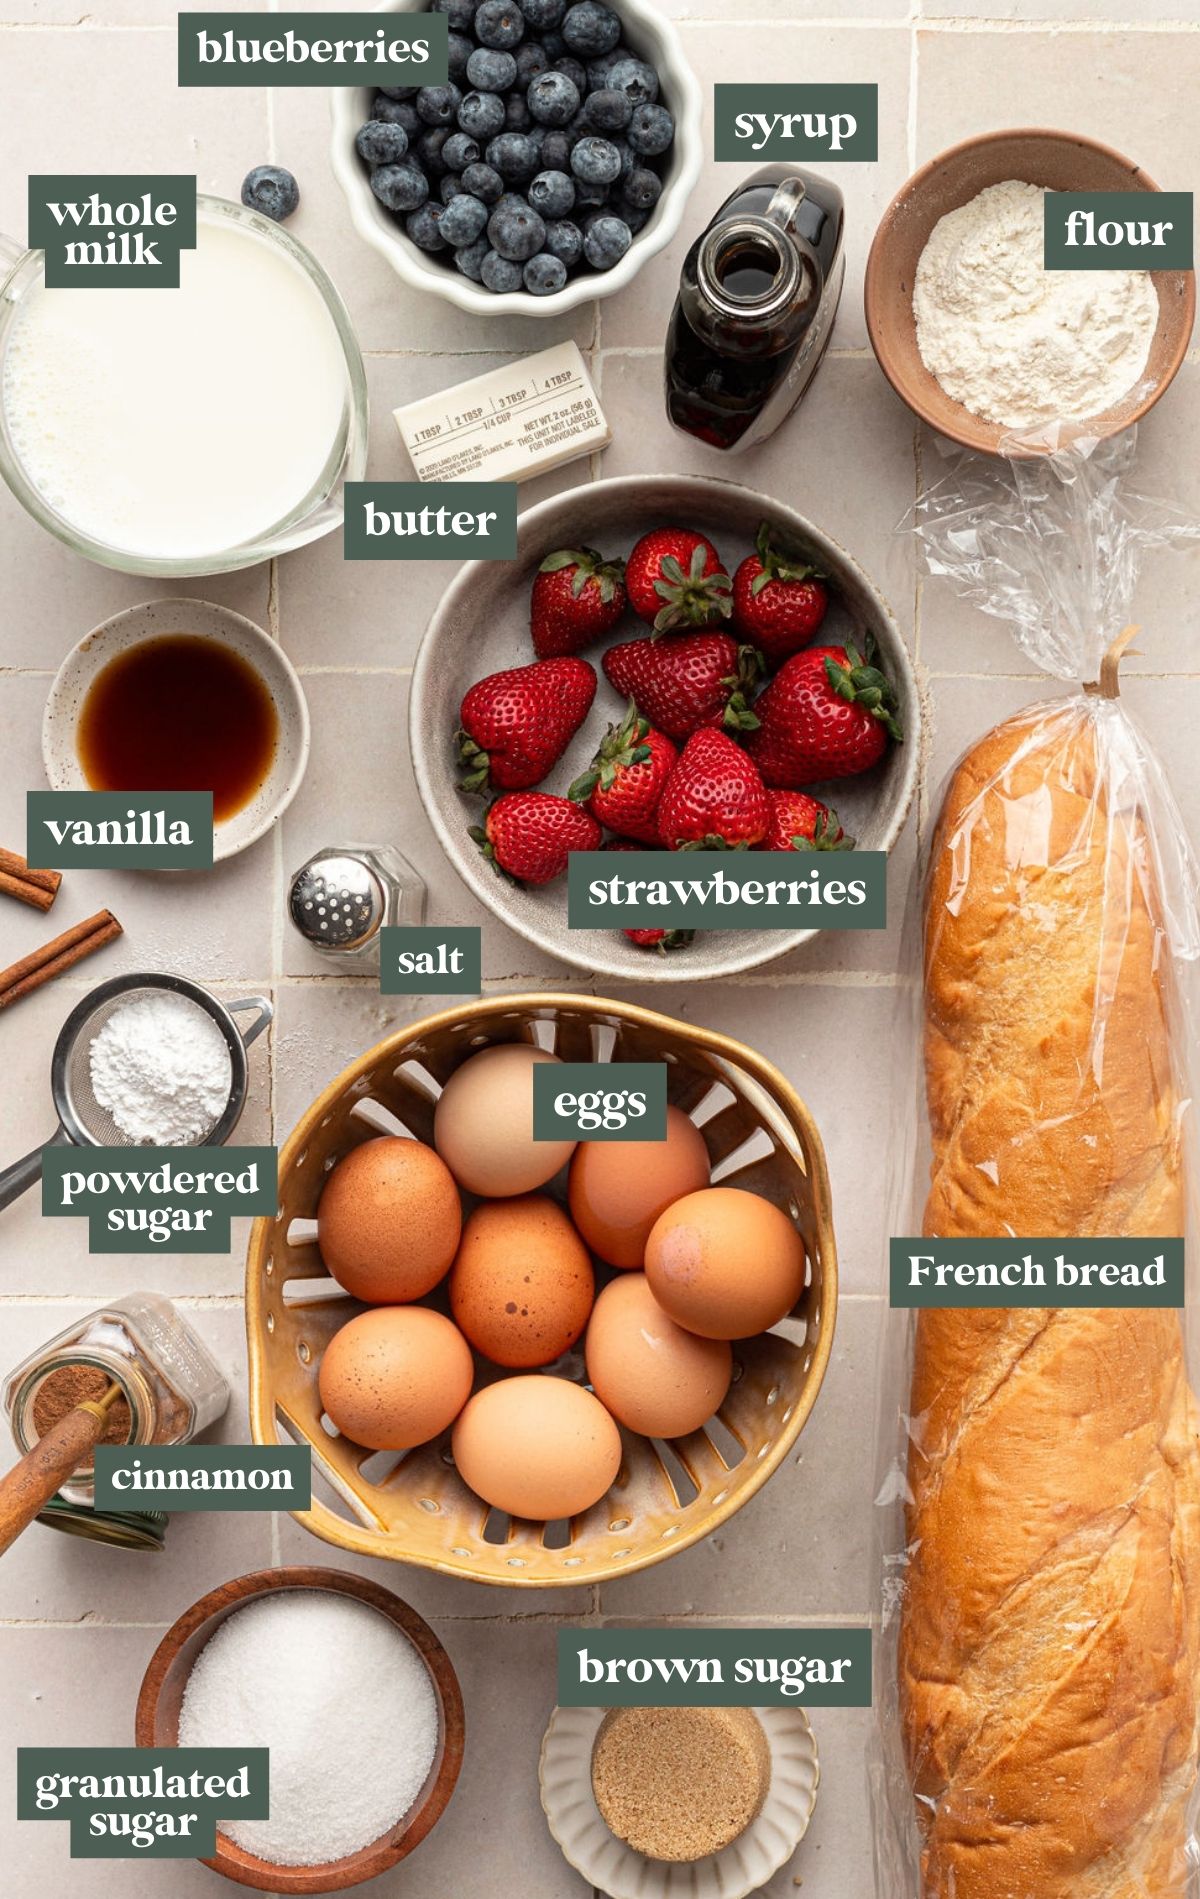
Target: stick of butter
522,420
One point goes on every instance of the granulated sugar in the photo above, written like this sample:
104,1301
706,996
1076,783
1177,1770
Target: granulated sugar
345,1704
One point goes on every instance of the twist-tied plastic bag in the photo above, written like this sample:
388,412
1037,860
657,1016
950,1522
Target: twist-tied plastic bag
1038,1471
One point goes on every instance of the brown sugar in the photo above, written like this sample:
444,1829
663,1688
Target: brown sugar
70,1385
680,1783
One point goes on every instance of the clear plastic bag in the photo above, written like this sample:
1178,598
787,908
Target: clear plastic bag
1038,1520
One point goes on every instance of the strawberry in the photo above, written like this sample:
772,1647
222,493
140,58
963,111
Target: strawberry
689,680
674,578
714,798
623,784
577,597
660,939
516,725
828,713
779,601
801,823
528,835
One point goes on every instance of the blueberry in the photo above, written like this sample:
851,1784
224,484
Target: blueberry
590,195
469,259
633,77
438,105
449,187
271,190
428,149
575,72
607,242
635,219
642,189
590,28
651,130
491,71
516,231
424,227
399,93
554,46
556,150
397,112
517,116
629,158
400,187
514,156
608,110
381,144
553,98
499,273
564,239
499,23
596,161
552,194
483,182
460,48
531,60
481,115
461,12
459,151
544,274
541,14
463,220
599,69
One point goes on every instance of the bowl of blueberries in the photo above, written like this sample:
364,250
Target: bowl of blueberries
557,158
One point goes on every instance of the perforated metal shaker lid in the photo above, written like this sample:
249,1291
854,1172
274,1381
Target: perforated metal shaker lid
336,901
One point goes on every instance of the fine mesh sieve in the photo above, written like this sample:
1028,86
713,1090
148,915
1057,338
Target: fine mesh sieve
83,1122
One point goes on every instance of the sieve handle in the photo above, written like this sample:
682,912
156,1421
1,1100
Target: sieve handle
17,1179
266,1009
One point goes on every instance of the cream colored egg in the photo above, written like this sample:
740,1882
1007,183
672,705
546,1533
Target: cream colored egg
483,1125
537,1447
652,1375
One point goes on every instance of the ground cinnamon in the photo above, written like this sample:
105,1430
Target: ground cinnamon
71,1385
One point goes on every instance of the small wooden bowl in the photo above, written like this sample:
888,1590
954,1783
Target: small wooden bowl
161,1697
1058,161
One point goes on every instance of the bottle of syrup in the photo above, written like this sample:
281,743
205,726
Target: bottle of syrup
757,298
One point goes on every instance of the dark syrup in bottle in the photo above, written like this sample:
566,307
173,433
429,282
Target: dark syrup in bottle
757,298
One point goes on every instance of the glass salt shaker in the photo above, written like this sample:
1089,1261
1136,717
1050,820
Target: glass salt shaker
344,895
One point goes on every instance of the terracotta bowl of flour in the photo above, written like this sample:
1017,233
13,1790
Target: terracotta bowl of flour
1057,161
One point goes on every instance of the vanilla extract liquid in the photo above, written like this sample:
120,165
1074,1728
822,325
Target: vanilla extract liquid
757,298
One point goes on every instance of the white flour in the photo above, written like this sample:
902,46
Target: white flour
161,1068
1013,342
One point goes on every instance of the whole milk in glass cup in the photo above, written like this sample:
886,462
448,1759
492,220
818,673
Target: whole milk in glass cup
187,431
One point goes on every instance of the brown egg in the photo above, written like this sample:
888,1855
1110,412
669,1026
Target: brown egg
522,1286
725,1263
652,1375
483,1126
537,1447
389,1220
617,1189
396,1377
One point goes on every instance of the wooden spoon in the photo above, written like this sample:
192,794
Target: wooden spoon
29,1485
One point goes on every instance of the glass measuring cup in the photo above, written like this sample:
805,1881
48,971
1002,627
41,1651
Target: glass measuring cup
82,1122
316,513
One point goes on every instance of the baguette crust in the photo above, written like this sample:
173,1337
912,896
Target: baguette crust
1050,1631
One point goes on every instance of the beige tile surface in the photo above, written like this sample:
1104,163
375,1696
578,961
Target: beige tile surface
78,1624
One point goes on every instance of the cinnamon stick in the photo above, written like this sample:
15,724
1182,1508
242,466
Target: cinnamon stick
36,887
57,956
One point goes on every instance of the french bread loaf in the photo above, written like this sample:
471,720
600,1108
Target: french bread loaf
1050,1625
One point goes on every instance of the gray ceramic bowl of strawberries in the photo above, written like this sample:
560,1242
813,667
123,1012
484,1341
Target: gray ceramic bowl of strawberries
483,627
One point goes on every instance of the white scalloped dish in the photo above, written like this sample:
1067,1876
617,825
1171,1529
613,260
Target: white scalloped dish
607,1863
